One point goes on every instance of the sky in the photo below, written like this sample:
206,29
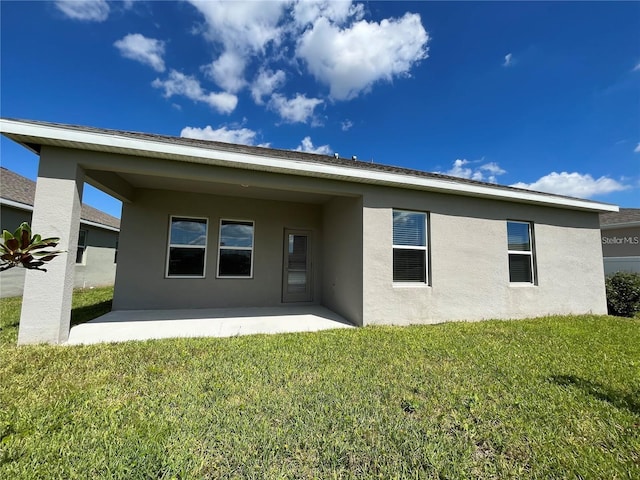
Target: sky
539,95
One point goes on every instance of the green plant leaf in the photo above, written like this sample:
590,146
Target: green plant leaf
18,232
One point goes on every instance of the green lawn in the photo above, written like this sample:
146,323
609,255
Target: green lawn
557,397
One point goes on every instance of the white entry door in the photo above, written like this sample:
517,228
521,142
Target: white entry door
296,277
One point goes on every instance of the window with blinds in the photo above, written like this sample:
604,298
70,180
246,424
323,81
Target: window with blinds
410,246
521,255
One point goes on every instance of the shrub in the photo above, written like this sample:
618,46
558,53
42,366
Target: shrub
623,294
19,249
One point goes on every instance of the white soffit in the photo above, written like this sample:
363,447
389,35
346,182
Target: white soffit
61,135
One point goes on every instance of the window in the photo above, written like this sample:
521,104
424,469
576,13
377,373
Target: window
521,261
187,247
82,246
235,249
409,246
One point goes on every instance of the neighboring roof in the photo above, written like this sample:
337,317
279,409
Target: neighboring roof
21,190
626,217
34,134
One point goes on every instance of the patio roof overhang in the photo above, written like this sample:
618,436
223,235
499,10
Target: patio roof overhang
34,134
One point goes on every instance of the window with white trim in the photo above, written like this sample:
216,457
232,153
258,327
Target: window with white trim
410,258
521,252
187,247
235,249
82,246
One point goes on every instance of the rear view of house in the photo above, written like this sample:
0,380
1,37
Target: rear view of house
214,225
95,256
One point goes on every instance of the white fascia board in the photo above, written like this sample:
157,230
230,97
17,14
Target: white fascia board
99,225
115,143
14,204
29,208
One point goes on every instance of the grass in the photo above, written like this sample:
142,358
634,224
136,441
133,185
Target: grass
556,397
86,305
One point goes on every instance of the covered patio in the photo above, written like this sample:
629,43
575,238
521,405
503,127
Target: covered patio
282,219
127,325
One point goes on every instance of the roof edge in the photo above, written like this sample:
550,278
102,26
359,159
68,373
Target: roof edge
116,142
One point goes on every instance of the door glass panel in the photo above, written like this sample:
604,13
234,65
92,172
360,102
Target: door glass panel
297,264
296,282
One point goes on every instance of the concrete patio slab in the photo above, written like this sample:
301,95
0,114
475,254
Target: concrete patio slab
126,325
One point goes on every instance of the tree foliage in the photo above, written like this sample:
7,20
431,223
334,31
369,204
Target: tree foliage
21,249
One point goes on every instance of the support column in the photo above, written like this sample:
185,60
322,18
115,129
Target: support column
46,302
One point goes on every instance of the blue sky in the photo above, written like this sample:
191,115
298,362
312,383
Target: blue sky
539,95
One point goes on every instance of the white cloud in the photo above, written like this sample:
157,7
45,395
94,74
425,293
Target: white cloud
245,26
148,51
227,71
87,10
266,83
180,84
244,29
307,146
484,173
637,149
636,68
346,125
508,60
243,136
298,109
306,12
493,168
351,60
573,184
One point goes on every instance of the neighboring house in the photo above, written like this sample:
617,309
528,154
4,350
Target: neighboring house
97,238
208,224
621,240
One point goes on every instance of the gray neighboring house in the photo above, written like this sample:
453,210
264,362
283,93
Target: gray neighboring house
215,225
97,236
621,240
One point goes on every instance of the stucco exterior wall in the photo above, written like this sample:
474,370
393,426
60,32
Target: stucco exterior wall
98,268
11,218
141,282
342,265
469,261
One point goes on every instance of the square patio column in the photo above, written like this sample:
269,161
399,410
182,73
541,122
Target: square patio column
46,302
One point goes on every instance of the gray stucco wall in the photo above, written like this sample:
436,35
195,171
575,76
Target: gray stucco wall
141,282
469,261
11,218
342,265
98,268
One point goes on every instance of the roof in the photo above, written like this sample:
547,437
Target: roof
626,217
34,134
22,190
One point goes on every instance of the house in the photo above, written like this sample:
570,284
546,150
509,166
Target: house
214,225
621,240
95,259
